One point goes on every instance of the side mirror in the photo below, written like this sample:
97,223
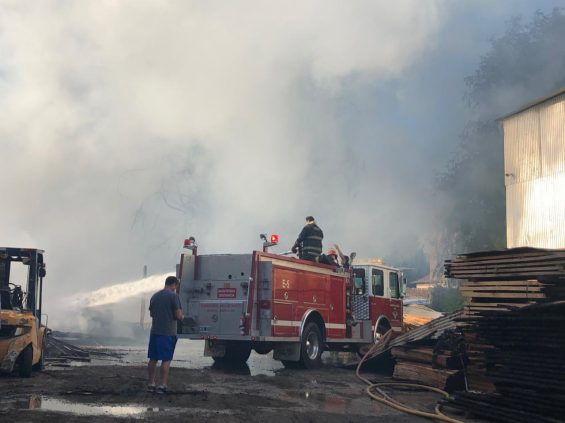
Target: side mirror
42,272
352,257
403,288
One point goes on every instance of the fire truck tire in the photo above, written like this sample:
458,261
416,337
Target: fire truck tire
263,348
363,349
382,329
236,353
312,346
26,362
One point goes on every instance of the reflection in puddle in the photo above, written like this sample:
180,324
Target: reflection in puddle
37,402
188,355
134,411
333,403
329,403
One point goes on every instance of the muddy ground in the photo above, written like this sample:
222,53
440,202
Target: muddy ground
261,392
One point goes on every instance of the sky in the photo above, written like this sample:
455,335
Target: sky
129,125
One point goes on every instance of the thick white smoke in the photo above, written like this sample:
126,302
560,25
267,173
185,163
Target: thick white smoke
126,126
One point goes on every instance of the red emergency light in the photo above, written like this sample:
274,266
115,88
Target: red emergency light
269,242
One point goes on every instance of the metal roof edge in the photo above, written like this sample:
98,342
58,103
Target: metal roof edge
533,103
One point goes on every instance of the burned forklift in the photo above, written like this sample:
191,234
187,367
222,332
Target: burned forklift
22,334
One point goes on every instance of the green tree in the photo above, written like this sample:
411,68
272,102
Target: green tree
525,63
446,300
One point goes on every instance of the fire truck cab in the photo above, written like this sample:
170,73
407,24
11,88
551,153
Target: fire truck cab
297,309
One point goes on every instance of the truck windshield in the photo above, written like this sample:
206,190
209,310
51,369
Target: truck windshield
359,281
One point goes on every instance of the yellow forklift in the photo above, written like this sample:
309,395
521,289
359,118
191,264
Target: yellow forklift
22,334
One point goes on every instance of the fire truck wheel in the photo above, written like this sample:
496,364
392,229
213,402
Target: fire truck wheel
363,349
263,348
26,359
311,347
236,353
382,329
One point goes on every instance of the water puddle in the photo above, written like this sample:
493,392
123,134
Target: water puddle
341,403
188,355
38,402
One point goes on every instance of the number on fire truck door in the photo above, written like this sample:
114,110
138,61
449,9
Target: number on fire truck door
284,302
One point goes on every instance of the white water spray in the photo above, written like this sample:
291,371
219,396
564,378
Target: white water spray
119,292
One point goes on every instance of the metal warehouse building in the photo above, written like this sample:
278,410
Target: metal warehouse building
534,165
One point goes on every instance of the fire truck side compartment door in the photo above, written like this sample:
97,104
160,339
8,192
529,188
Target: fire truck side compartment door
336,314
185,273
380,303
285,298
265,297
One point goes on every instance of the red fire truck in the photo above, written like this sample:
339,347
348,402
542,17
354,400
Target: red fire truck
295,308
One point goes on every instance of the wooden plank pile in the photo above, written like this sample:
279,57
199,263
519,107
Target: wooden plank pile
526,365
427,354
515,264
432,330
508,278
514,328
434,363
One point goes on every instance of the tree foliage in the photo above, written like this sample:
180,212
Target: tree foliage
525,63
446,300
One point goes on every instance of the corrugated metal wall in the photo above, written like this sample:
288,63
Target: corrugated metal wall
534,161
522,147
552,124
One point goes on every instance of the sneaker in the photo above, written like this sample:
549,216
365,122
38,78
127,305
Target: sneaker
162,389
151,387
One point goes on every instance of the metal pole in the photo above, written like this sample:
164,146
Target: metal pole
142,311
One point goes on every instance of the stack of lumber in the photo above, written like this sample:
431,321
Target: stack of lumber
433,363
514,264
526,365
514,331
508,279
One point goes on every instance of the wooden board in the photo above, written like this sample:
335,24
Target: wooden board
508,295
468,290
439,378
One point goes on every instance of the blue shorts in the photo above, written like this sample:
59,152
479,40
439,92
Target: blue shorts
161,347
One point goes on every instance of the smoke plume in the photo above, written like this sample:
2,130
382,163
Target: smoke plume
127,126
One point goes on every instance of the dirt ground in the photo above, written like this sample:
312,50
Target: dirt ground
117,393
262,391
